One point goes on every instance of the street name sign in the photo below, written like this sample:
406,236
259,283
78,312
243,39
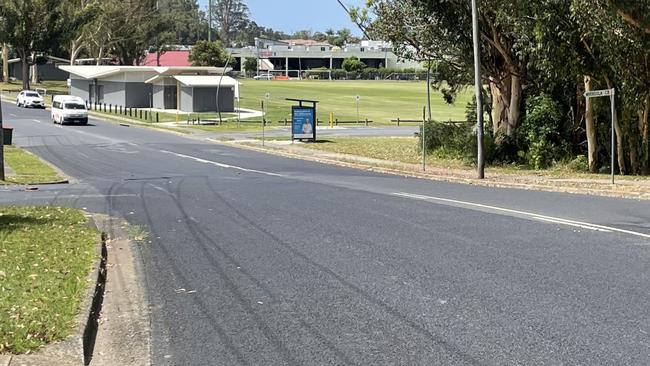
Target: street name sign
600,93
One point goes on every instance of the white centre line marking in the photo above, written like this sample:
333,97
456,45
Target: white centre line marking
222,165
556,220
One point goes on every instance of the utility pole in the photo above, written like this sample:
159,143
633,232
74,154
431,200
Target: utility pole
479,93
209,20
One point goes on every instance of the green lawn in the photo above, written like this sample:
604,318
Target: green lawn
380,102
29,169
46,254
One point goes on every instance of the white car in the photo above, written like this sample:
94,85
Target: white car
69,109
29,98
263,77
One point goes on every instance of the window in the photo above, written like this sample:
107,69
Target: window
74,105
32,95
56,105
322,48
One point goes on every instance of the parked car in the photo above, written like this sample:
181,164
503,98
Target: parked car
263,77
69,109
29,98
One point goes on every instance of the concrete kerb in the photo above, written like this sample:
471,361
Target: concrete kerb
389,167
74,350
111,330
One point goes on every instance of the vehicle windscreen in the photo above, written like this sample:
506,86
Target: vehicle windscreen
74,106
32,95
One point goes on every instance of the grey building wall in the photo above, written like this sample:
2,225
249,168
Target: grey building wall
204,99
114,92
159,96
79,88
129,95
46,72
186,99
138,95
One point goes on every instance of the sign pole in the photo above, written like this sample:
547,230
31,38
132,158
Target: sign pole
612,97
357,98
424,149
263,121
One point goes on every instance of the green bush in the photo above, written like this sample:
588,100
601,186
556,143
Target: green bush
541,132
579,164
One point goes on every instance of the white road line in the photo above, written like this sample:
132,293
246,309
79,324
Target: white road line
557,220
222,165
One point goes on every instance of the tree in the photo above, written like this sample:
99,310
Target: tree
79,13
250,65
229,16
31,26
206,53
438,30
353,64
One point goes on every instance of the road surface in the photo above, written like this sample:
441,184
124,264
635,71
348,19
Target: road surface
262,260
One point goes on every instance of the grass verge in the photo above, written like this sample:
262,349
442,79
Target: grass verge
28,168
405,150
46,254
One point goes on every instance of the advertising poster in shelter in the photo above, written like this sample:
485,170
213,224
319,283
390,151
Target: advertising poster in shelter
303,123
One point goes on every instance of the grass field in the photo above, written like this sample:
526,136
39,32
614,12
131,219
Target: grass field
380,102
46,254
28,168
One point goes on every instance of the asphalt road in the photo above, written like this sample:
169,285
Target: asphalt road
263,260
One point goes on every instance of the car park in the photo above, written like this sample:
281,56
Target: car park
69,109
30,98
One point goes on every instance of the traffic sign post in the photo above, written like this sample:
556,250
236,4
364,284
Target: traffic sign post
611,93
358,99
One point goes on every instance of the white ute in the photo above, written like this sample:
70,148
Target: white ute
69,109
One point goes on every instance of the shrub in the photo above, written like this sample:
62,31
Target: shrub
579,164
542,132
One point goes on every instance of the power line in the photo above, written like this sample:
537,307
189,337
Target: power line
363,29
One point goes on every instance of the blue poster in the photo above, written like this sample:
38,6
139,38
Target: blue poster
303,122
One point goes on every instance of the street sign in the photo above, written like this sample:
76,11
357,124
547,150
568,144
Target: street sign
608,93
600,93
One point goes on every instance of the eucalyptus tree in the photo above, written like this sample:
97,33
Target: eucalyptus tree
31,26
441,30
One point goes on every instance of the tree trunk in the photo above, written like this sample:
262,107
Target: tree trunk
75,49
499,108
592,138
5,63
620,149
25,72
100,56
507,97
514,112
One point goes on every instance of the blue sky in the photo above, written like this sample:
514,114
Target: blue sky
294,15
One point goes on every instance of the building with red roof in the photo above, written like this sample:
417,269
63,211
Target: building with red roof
168,59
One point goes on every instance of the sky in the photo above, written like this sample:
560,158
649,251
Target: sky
294,15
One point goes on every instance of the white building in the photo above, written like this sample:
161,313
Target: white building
291,57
